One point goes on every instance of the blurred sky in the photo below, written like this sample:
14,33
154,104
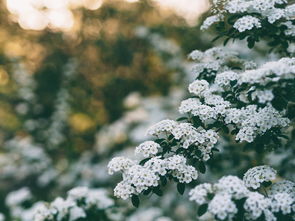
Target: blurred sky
57,14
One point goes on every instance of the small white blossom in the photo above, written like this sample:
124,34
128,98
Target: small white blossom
147,148
255,176
247,23
198,87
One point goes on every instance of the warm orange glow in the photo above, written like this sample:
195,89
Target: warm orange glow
4,78
57,14
189,9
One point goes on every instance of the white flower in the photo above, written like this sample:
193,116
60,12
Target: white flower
76,213
284,186
198,87
255,176
255,205
232,185
78,193
119,163
196,55
222,206
224,79
282,202
162,126
210,21
247,23
200,192
17,197
147,148
2,217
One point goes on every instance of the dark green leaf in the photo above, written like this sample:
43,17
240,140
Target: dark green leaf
147,192
163,180
135,201
202,209
144,161
181,119
202,167
266,183
158,191
181,188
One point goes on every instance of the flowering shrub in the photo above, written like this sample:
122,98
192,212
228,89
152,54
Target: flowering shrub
234,199
81,203
254,20
232,99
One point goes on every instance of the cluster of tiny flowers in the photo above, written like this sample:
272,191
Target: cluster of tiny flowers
269,72
211,61
282,202
180,170
147,148
32,160
198,87
224,79
247,23
222,206
119,164
75,206
223,196
164,126
253,121
187,135
284,186
282,195
210,21
138,178
16,198
250,120
255,205
232,185
263,96
267,10
200,192
255,176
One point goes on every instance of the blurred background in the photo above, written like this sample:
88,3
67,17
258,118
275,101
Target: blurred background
80,82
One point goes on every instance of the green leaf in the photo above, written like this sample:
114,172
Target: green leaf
135,200
147,192
181,119
181,188
226,41
202,167
266,183
202,209
225,129
159,140
158,191
144,161
163,180
251,42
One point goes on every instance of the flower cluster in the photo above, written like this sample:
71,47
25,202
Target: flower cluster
148,148
230,197
256,176
138,178
81,201
23,159
236,17
236,99
247,23
215,60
